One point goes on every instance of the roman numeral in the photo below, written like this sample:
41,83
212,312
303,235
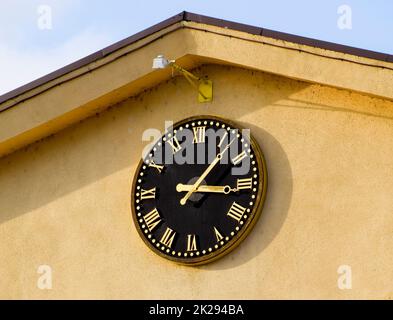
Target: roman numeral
199,135
191,242
174,143
236,211
167,237
244,183
154,165
219,236
239,158
152,219
148,194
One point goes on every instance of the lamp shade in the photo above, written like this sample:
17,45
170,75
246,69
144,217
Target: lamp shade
160,62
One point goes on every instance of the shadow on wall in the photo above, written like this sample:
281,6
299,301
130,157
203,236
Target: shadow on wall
86,153
277,203
111,141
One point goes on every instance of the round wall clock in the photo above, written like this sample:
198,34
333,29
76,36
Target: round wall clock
199,191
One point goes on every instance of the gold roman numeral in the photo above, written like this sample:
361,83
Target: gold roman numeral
236,211
244,183
239,158
167,237
219,236
199,135
152,219
191,242
154,165
174,143
148,194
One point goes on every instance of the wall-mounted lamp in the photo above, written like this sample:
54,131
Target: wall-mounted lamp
204,86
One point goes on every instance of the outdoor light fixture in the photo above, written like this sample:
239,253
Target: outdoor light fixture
204,86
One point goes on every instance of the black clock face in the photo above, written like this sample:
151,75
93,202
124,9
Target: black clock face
199,191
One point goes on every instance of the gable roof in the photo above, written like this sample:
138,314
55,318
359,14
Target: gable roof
192,17
122,70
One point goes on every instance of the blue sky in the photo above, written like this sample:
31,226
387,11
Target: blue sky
80,27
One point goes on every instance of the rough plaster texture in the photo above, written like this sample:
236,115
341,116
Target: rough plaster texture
65,200
126,72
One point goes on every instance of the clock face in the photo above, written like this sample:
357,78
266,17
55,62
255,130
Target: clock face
199,190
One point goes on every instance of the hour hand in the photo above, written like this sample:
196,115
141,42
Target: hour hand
203,188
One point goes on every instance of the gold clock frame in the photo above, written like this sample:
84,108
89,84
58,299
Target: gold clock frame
249,223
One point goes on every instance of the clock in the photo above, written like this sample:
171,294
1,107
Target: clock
199,191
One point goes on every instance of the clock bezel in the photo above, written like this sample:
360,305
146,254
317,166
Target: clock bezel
249,223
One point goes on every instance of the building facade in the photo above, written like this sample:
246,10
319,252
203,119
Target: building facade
70,144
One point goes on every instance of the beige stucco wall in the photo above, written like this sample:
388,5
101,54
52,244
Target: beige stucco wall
65,200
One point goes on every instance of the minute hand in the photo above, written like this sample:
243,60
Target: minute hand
204,174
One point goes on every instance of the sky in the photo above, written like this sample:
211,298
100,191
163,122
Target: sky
40,36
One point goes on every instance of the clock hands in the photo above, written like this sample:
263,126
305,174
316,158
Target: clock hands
203,188
204,174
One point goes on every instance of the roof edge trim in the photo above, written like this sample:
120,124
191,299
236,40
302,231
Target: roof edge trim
188,16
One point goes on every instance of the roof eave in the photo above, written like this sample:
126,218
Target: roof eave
188,16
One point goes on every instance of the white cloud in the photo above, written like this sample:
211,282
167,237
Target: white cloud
19,67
